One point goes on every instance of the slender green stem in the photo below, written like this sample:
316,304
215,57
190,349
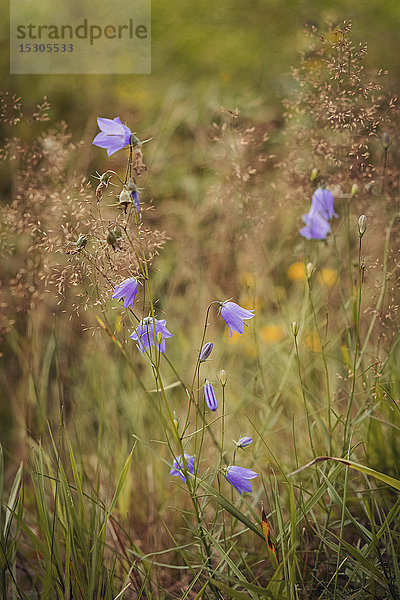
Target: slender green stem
304,395
324,359
347,427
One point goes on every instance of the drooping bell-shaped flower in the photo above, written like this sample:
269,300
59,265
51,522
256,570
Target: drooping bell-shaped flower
239,478
126,291
178,466
234,316
317,228
144,334
322,203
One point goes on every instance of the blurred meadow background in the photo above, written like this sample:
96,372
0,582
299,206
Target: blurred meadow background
250,109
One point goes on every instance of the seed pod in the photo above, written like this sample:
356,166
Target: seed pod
139,164
99,190
124,199
295,328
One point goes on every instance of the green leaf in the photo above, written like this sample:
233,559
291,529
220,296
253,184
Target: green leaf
395,483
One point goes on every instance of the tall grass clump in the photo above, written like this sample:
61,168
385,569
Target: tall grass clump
213,411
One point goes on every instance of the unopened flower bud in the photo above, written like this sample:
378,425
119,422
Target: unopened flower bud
104,178
385,140
354,190
113,236
176,422
131,185
81,241
309,270
222,377
206,351
118,231
243,442
314,174
362,225
295,328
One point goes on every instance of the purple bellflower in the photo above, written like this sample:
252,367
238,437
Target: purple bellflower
209,395
239,478
234,316
317,228
178,469
114,135
243,442
316,220
322,203
144,334
127,291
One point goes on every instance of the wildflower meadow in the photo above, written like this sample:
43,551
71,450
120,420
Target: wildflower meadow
200,342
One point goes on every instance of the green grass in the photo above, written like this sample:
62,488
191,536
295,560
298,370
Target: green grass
90,426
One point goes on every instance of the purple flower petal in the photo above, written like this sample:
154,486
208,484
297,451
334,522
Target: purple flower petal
209,396
322,203
144,334
178,467
317,228
114,135
234,316
126,290
244,441
239,478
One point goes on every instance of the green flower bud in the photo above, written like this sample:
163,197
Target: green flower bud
354,190
81,241
295,328
362,225
309,270
385,140
222,377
